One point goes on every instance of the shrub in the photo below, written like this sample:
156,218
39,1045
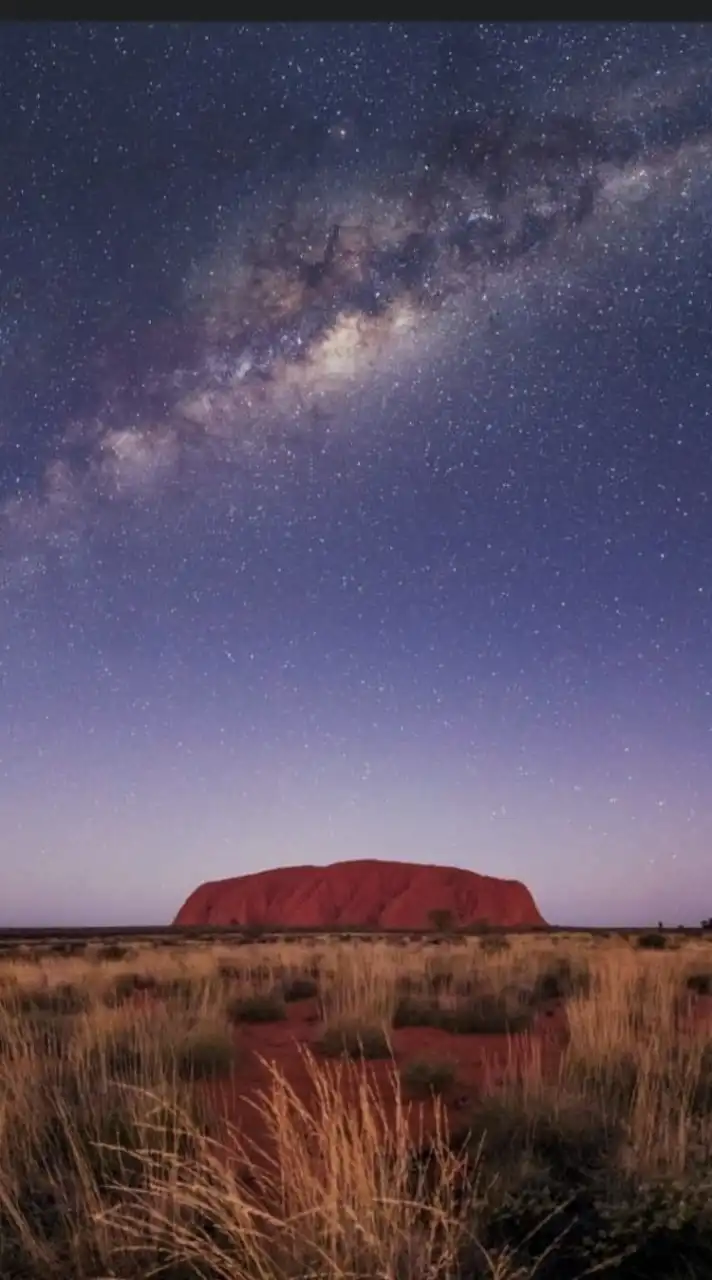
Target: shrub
416,1013
652,941
300,989
258,1008
423,1078
561,980
700,983
205,1054
494,944
113,951
65,998
485,1015
569,1198
354,1042
126,985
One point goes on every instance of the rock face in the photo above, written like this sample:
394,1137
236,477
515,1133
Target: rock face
366,894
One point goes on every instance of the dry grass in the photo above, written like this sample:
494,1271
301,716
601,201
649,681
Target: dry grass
115,1162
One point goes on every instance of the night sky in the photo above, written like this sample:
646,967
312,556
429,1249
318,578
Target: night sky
355,460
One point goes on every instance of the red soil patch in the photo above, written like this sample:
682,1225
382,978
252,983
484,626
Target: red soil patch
480,1062
365,894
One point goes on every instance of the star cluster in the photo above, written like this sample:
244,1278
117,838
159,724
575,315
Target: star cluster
354,466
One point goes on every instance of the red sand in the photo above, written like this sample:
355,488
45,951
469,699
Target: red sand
480,1063
365,894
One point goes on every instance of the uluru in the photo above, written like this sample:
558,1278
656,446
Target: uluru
362,894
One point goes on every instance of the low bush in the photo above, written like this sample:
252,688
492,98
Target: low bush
652,941
561,980
205,1054
64,998
486,1015
113,951
296,989
127,985
354,1042
411,1012
268,1007
494,944
422,1078
699,983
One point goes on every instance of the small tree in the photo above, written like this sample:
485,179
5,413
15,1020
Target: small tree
441,919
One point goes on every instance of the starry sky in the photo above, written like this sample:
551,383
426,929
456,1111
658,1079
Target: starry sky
355,470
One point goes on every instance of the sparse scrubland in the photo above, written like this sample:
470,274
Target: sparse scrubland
356,1108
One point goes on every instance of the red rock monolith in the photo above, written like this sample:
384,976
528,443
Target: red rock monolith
364,894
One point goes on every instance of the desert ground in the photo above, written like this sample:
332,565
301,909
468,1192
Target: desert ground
356,1107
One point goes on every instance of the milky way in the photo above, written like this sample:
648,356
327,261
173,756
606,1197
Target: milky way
344,279
355,471
341,283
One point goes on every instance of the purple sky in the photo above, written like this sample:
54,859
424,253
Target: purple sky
355,480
